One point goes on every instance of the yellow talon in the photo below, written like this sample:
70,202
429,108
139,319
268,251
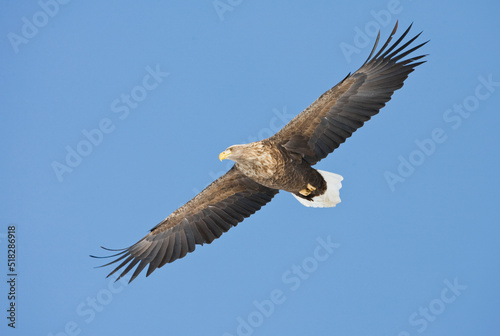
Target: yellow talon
308,191
305,192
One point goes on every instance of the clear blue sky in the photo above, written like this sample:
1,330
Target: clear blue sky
150,93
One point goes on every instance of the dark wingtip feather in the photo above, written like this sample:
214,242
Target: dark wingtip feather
389,39
108,256
108,249
374,47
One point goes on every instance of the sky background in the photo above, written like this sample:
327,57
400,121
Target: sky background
413,247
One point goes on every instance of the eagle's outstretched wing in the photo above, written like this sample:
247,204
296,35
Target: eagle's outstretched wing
339,112
220,206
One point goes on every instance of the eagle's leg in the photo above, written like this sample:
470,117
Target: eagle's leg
308,190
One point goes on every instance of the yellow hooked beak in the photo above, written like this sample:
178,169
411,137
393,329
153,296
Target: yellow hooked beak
224,154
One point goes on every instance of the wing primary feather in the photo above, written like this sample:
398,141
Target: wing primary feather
158,257
375,46
395,44
124,254
110,256
108,249
145,252
413,59
389,39
398,57
139,269
125,262
394,55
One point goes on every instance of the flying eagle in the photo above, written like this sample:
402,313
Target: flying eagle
282,162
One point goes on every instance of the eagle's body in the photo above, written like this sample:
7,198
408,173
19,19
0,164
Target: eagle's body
272,165
282,162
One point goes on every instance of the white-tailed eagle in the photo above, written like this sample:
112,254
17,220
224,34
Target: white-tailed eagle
282,162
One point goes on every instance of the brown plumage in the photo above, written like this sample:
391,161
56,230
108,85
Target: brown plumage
281,162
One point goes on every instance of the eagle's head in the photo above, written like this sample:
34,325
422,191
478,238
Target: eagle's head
255,160
245,154
235,153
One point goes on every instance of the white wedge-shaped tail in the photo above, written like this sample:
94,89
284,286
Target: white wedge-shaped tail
332,195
